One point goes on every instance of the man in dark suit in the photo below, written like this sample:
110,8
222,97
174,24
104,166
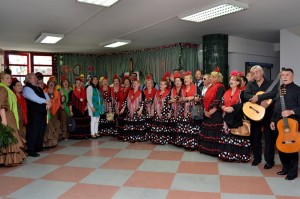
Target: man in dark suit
198,80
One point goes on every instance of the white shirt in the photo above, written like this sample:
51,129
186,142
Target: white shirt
205,89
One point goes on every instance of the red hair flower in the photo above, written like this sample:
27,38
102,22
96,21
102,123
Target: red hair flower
63,78
176,75
234,73
116,77
167,74
148,77
188,73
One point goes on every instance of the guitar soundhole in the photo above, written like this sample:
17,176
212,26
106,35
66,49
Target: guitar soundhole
289,142
254,109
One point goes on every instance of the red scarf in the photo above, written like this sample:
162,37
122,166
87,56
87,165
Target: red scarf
175,93
123,95
229,99
160,95
210,95
115,95
80,98
21,100
102,91
151,95
55,101
80,94
133,95
189,93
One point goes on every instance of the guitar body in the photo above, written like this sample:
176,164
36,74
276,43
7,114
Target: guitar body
288,140
254,111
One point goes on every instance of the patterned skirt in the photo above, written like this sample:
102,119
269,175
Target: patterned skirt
210,136
188,134
135,130
107,127
235,148
161,131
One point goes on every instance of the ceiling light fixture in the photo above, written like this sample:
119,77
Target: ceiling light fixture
212,11
105,3
49,38
115,43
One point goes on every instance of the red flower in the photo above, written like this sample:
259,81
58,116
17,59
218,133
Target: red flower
176,75
234,73
188,73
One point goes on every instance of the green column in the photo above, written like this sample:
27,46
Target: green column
215,53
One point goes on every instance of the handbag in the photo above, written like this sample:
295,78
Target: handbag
197,112
71,125
242,130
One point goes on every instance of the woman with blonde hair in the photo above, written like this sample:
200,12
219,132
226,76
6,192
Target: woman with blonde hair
160,129
212,125
135,122
187,126
149,93
106,127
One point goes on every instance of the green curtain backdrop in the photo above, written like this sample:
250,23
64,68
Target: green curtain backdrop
156,60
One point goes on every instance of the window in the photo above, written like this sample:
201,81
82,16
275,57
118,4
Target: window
22,63
43,63
19,65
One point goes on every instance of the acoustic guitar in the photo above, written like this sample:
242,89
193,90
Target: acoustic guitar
257,112
288,140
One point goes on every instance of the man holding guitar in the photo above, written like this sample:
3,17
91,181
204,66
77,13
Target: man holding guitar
287,112
258,84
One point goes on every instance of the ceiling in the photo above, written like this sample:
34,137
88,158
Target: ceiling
148,23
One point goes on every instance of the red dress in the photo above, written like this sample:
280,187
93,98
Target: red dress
135,125
212,127
188,129
161,132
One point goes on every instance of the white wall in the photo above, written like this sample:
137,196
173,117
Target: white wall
290,52
244,50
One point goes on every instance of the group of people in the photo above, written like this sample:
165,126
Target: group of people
195,111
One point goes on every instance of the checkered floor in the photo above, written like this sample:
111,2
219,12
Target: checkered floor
109,168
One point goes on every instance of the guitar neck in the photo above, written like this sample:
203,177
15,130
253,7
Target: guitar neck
273,84
283,108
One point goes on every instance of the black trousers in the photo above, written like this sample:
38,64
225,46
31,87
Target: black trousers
289,163
35,131
256,140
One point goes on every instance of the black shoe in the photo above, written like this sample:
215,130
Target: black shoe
282,173
290,178
33,154
268,166
255,163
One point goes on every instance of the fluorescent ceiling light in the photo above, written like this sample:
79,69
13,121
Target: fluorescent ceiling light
115,43
49,38
105,3
219,9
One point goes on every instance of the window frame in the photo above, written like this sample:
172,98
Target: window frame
30,61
